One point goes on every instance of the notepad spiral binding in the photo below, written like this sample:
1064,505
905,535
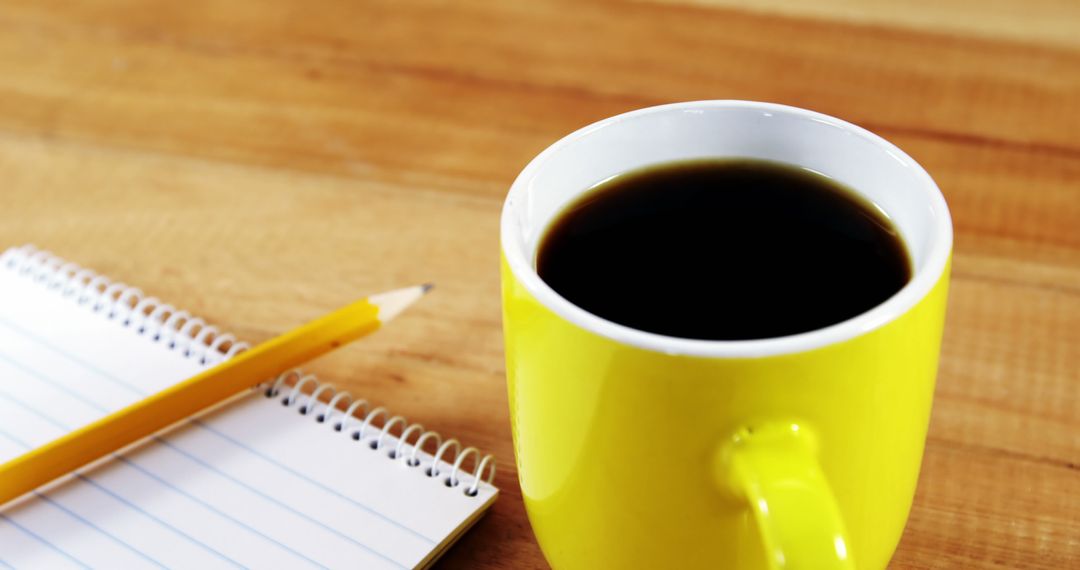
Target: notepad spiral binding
192,337
177,330
342,406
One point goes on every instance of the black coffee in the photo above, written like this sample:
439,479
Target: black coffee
723,250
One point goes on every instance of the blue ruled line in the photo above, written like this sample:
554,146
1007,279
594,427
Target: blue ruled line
6,565
38,538
275,501
71,513
162,481
229,439
21,443
46,343
86,522
211,508
57,385
140,510
34,411
135,507
269,498
300,475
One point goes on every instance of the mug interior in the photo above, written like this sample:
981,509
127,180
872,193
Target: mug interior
868,164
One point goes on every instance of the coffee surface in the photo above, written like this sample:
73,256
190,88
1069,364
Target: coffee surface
729,249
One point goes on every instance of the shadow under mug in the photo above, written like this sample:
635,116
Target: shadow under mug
637,450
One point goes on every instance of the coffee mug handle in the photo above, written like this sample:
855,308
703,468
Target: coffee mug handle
773,468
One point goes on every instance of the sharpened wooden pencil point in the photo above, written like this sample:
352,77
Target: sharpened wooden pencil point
391,304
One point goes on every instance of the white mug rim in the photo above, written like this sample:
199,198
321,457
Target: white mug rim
925,278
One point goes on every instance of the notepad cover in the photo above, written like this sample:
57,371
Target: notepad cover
253,483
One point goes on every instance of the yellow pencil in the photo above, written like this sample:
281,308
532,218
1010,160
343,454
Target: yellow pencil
128,425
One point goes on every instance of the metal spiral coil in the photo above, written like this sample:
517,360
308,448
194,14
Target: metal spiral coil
160,322
356,419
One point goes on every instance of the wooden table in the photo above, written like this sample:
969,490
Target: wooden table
261,162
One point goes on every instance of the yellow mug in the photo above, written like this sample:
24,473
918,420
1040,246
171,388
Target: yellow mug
637,450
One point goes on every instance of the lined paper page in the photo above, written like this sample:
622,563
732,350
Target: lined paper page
253,484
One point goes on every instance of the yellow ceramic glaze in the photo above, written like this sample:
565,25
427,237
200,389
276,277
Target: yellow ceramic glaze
638,450
631,458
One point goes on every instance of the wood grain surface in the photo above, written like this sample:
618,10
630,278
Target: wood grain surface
261,162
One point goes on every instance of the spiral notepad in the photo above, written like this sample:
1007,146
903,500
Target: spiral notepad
290,474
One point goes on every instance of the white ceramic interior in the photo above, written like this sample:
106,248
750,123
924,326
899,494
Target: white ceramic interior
840,150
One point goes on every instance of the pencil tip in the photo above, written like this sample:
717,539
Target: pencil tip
392,303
